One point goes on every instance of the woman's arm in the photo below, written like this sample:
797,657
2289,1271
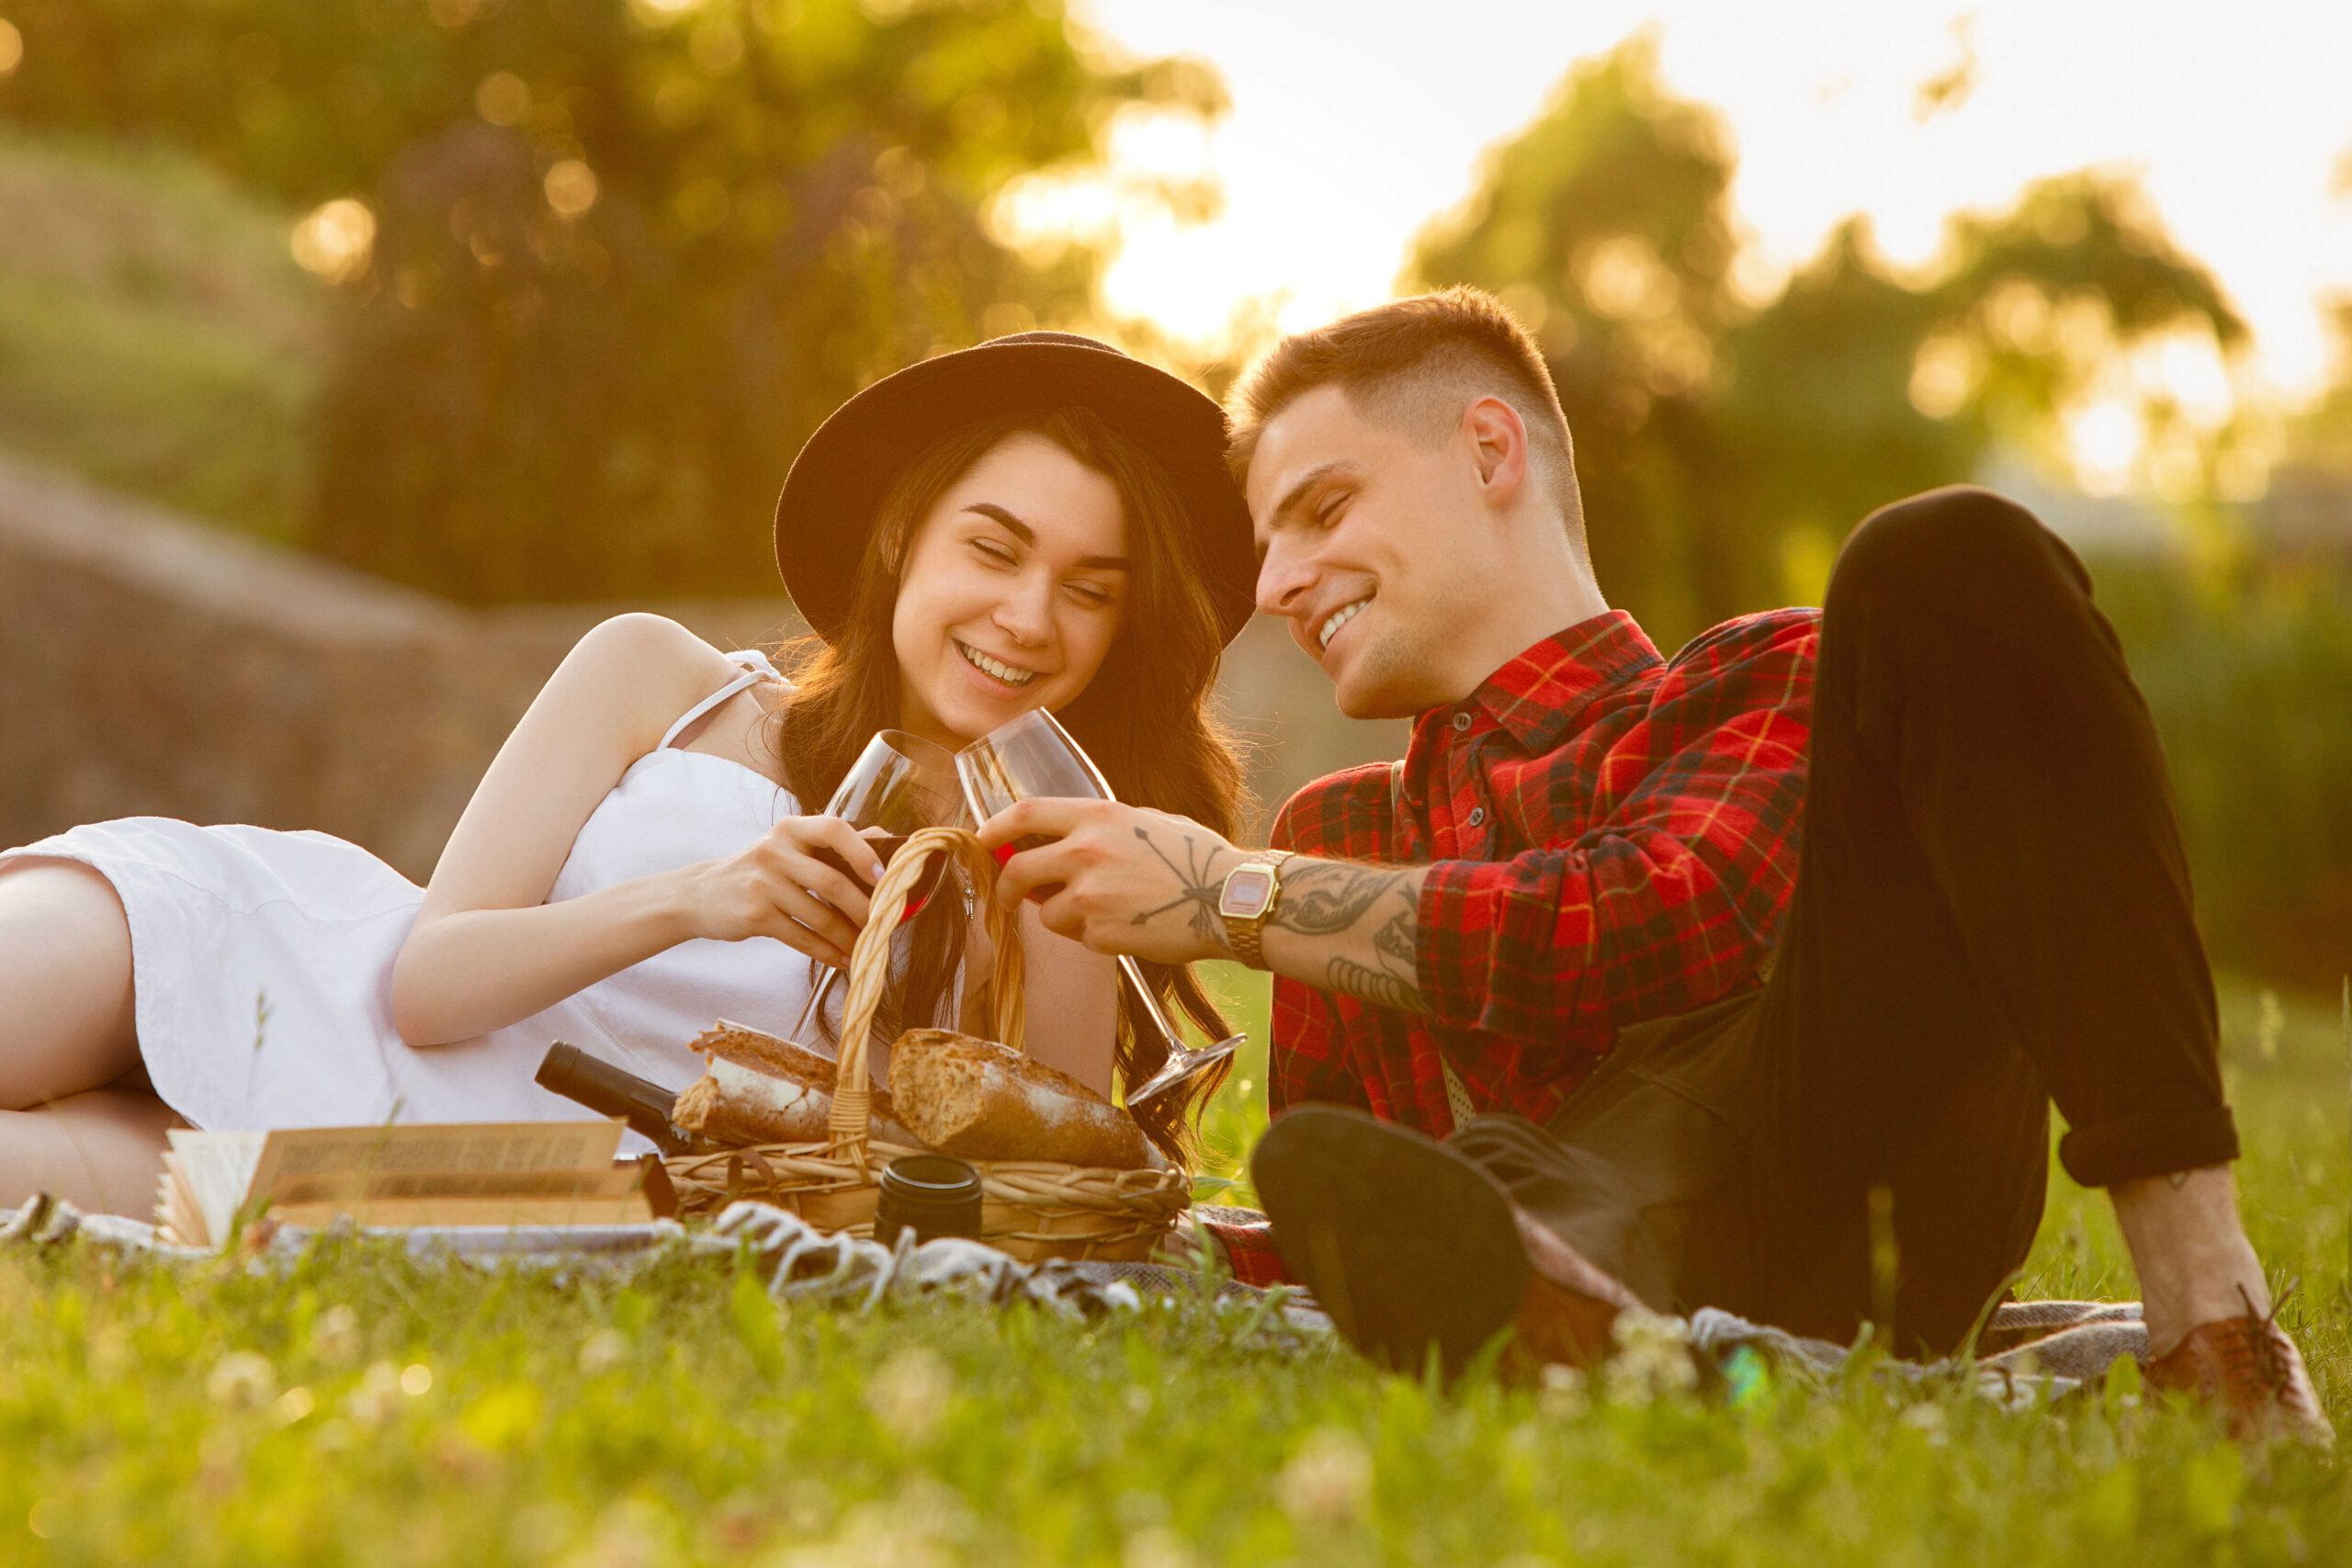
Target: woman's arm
487,950
1073,997
1070,998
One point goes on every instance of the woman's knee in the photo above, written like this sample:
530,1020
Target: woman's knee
65,968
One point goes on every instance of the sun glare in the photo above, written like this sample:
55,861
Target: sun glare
1906,111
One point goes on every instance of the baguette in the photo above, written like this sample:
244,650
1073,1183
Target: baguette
760,1089
977,1100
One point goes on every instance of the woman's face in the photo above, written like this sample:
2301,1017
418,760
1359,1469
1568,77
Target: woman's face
1012,592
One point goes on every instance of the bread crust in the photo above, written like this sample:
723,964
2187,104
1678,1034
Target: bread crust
977,1100
760,1089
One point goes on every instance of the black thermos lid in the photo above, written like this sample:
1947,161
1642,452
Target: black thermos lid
931,1194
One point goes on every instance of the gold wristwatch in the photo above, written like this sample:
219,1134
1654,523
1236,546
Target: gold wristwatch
1251,891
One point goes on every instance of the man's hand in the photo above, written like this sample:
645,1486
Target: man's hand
1119,878
1122,879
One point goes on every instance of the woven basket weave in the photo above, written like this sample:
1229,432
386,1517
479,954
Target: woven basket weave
1032,1209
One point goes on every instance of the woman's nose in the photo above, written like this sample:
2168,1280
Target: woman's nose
1025,615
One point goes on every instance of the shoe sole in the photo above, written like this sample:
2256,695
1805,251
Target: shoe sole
1405,1243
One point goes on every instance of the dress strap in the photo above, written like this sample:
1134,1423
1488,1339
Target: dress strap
756,668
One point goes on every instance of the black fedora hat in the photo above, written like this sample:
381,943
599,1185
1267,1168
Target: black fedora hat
832,495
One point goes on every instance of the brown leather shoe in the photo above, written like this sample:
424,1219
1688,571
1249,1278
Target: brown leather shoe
2249,1370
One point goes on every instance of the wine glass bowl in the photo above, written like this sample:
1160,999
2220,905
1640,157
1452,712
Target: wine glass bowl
900,783
1034,756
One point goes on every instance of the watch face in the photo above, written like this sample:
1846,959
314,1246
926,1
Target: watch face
1246,891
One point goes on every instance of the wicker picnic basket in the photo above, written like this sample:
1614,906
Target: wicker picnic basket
1032,1209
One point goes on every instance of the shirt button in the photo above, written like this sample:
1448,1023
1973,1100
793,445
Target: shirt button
1462,721
1477,815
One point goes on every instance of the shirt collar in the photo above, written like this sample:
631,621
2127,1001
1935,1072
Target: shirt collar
1539,696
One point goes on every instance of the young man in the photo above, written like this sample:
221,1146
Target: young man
1672,1060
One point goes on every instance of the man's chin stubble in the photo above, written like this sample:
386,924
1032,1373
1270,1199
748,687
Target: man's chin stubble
1383,686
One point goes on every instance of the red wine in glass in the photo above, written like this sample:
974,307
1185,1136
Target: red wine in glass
886,846
1005,854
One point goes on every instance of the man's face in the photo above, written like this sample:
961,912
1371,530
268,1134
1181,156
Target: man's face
1371,544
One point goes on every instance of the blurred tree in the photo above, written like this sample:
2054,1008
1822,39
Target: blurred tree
1726,445
2321,433
617,257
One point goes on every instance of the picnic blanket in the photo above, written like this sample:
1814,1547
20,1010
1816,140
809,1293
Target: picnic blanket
2029,1353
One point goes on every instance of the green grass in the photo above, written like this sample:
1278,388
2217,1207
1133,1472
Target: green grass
361,1408
155,334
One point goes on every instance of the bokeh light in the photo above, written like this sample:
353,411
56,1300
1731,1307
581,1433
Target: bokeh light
334,240
570,187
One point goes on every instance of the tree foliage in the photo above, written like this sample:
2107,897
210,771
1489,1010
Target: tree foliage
1726,447
626,253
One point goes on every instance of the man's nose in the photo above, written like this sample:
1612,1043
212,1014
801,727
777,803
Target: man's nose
1284,577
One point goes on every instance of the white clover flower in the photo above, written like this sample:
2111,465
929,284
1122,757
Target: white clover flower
378,1397
1329,1482
603,1350
335,1338
1157,1546
910,1393
1653,1360
1560,1394
241,1379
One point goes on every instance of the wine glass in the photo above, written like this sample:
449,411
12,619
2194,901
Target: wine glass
1034,756
898,784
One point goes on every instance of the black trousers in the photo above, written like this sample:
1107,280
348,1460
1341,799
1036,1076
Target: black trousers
1993,912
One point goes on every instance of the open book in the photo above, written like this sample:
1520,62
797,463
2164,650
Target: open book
500,1173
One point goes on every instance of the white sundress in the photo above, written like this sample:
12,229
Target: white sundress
262,961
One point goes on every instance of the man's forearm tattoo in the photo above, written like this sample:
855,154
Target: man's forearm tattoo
1376,985
1326,899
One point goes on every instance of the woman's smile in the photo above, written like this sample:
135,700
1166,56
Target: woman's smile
1002,671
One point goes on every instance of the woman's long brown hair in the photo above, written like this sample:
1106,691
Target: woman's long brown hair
1145,717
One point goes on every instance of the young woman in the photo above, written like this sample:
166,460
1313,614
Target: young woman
1040,520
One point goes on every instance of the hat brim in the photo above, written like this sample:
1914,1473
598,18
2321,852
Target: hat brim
832,498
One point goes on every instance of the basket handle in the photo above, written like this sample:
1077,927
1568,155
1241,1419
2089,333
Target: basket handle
869,973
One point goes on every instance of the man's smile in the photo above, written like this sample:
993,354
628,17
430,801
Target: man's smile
1338,618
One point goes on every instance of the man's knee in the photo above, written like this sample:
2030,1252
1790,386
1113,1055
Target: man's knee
1953,546
1962,556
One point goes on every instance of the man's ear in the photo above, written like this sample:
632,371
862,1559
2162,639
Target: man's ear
1497,439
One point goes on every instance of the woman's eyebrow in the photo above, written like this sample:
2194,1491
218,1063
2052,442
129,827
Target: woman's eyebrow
1028,535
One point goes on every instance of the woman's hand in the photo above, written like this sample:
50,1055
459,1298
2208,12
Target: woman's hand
779,888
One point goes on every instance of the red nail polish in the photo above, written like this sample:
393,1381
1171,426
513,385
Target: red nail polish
1005,854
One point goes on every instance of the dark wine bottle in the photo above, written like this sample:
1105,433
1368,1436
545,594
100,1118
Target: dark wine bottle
646,1106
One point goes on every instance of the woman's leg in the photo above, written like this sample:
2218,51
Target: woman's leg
76,1119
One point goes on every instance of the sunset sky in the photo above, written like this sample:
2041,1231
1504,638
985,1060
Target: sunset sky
1354,121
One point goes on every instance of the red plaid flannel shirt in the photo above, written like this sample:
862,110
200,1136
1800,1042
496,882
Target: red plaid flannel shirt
1611,837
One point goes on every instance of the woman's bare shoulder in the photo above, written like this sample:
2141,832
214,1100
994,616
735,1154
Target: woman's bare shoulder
640,670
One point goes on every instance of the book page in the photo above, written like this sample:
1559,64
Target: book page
177,1219
493,1153
217,1169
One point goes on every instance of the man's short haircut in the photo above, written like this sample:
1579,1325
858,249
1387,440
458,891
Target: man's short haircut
1417,363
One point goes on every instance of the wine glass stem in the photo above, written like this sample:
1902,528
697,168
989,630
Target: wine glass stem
800,1032
1150,1001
